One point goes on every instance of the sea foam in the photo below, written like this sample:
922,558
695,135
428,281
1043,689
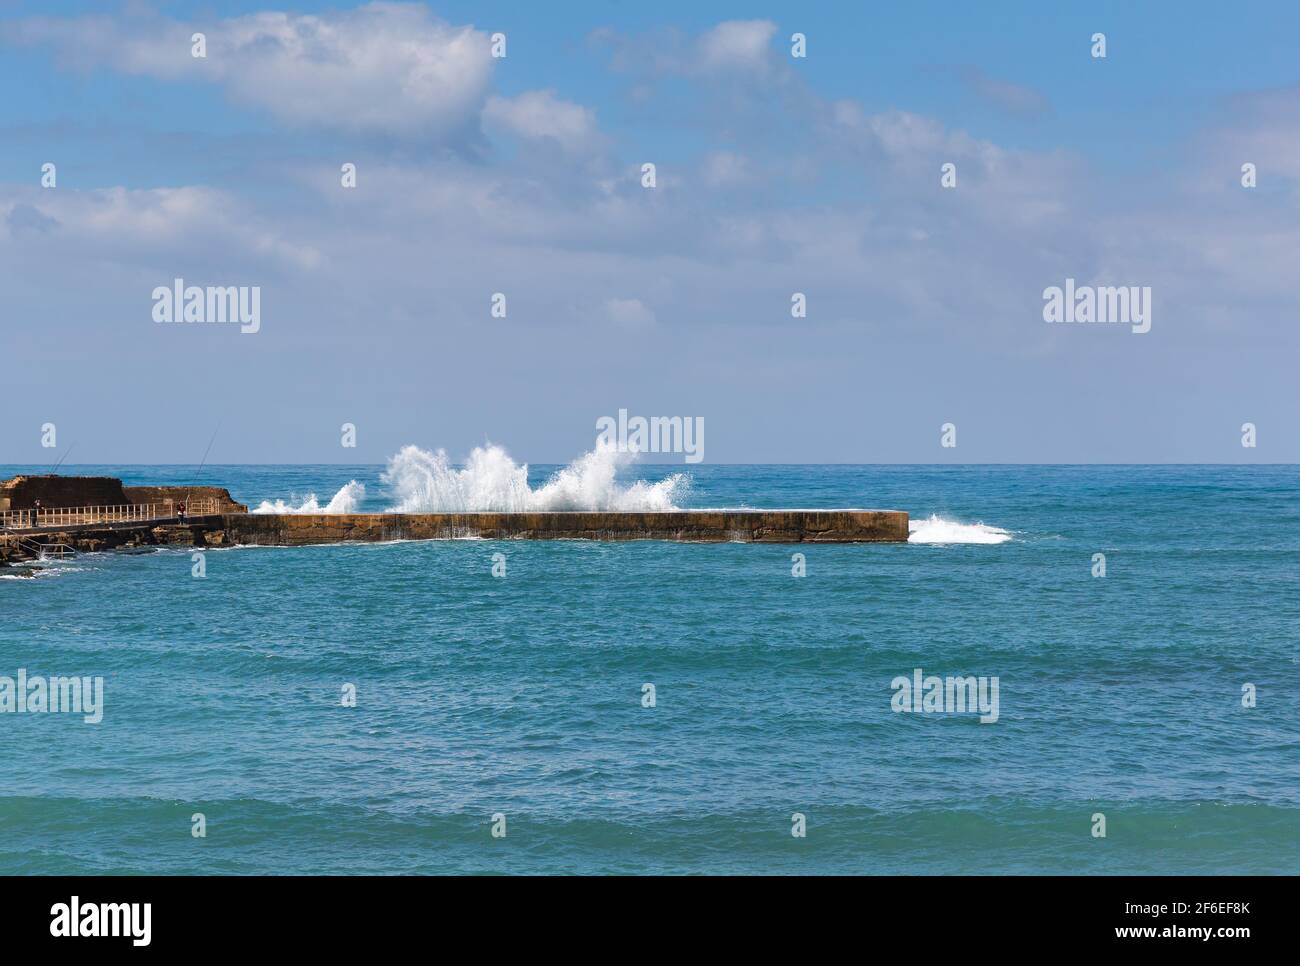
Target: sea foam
935,529
346,500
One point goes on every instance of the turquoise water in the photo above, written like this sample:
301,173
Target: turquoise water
522,695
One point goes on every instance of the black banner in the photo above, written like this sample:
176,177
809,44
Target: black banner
210,915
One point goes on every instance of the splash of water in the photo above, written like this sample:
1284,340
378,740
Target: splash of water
346,500
424,482
938,530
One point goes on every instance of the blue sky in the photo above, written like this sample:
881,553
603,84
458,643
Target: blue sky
776,175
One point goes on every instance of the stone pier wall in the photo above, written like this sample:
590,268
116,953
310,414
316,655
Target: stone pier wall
746,526
297,530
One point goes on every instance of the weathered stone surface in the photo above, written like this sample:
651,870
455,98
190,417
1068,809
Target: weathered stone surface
22,492
158,495
61,492
293,530
186,536
746,526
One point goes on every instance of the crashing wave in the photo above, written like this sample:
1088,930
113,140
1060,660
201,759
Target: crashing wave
424,482
346,500
935,529
420,481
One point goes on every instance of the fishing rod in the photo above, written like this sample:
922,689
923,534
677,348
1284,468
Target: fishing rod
199,472
61,459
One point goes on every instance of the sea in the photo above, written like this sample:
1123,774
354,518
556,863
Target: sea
488,707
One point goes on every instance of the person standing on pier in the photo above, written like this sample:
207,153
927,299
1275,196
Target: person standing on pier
180,512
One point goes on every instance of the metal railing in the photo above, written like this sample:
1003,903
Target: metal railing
43,551
125,513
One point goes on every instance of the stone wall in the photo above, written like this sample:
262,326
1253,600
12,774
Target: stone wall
745,526
293,530
22,492
184,494
54,492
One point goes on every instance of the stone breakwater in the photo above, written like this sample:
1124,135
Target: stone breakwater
702,526
297,530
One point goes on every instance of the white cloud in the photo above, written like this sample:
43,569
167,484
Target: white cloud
629,313
737,45
382,68
541,115
158,227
